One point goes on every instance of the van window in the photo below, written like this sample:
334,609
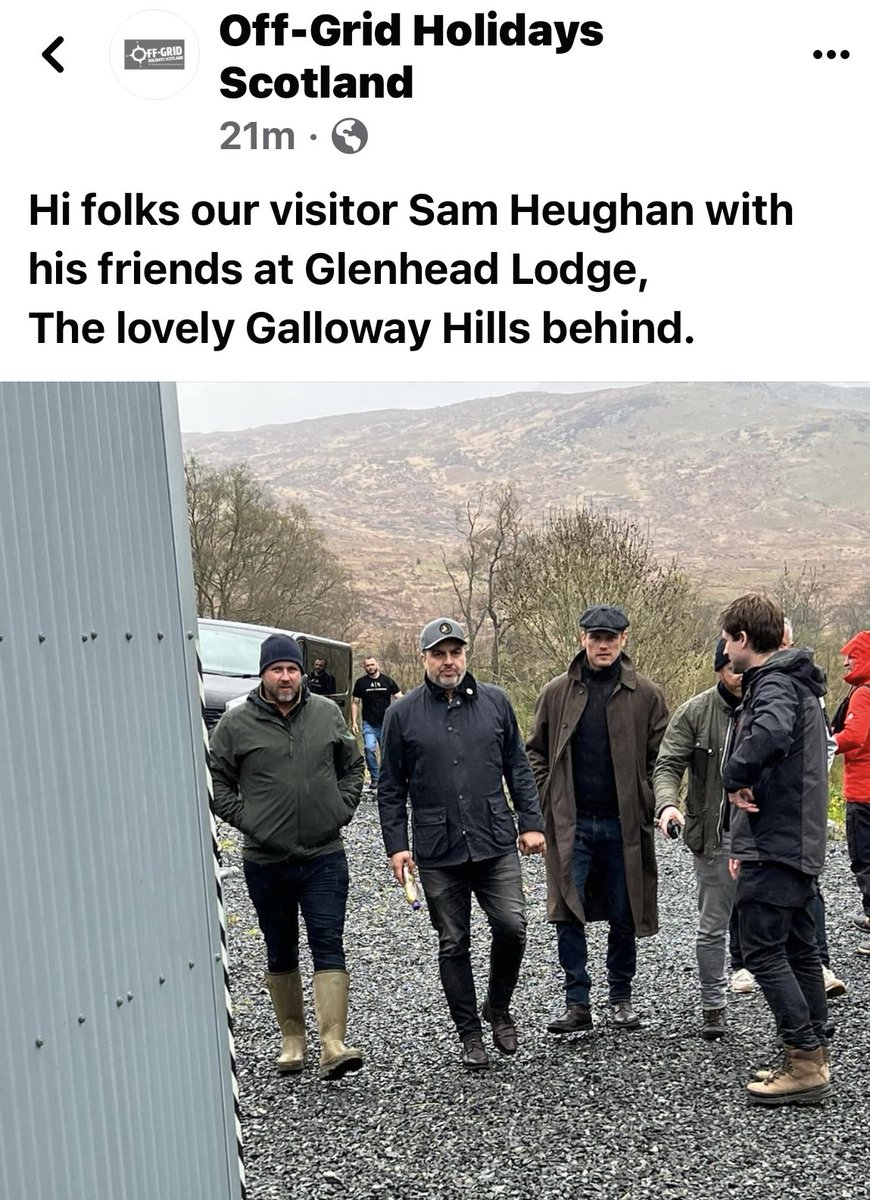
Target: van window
230,651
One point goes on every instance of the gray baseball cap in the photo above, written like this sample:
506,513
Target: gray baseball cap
439,630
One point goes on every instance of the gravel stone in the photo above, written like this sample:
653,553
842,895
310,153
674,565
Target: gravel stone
609,1114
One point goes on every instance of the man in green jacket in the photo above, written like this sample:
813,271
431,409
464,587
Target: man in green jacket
695,741
288,773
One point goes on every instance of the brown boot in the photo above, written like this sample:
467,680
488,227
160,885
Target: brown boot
286,993
803,1078
765,1072
330,1004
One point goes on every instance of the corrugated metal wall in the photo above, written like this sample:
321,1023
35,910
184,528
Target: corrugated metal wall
114,1056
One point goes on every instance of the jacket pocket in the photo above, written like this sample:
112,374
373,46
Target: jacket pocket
430,833
501,823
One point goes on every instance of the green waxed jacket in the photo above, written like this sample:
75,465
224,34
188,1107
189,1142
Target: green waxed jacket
288,783
695,741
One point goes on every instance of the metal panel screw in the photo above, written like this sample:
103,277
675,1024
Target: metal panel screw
119,1002
129,995
191,964
93,635
84,637
41,638
40,1042
162,980
189,636
82,1019
128,636
160,636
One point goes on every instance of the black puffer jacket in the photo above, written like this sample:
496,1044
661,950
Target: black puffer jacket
449,760
780,751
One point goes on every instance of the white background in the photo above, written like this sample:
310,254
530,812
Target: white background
682,101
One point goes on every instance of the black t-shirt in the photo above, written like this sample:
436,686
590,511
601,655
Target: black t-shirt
375,695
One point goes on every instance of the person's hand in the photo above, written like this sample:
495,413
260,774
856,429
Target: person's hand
400,860
532,843
354,728
671,813
743,798
733,867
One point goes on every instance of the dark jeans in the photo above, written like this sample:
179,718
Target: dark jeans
858,842
778,937
497,885
598,846
317,886
817,908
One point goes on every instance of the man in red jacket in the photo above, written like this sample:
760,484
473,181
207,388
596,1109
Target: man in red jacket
852,731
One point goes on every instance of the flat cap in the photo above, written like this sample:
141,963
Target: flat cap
439,630
608,617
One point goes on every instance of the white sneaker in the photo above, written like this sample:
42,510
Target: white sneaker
743,981
833,985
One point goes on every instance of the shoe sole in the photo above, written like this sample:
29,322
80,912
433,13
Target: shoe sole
862,924
865,950
475,1066
712,1035
567,1032
341,1068
743,990
813,1096
293,1069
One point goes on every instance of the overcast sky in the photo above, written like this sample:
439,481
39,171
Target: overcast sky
205,407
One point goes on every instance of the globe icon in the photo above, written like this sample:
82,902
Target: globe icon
349,135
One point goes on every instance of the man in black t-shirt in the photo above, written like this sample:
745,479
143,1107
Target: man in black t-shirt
373,693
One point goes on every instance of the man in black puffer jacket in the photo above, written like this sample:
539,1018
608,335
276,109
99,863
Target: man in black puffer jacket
777,780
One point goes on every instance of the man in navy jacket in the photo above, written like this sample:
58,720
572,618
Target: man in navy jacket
777,780
447,747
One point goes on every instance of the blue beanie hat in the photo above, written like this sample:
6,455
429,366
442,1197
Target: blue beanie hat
280,647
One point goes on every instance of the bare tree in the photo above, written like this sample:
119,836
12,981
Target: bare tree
489,525
254,560
805,599
580,557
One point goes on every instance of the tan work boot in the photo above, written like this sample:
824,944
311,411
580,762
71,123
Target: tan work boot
286,993
330,1005
765,1072
803,1078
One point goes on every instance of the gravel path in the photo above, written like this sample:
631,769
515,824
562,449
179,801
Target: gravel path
655,1112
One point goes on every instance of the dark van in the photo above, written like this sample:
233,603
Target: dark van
230,653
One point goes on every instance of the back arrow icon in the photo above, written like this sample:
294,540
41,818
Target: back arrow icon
48,53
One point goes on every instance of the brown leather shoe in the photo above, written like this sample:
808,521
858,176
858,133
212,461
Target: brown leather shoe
623,1015
474,1056
712,1024
574,1018
504,1031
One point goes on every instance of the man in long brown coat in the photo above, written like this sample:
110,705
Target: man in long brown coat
593,747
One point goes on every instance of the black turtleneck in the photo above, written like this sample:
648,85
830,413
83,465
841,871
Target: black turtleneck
591,760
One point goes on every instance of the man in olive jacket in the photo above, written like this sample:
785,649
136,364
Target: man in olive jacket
288,773
593,745
696,741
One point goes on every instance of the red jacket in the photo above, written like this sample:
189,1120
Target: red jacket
853,740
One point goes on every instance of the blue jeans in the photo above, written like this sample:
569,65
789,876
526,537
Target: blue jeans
598,845
497,885
317,886
778,938
372,738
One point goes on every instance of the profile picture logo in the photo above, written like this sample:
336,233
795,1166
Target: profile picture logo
349,135
148,54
